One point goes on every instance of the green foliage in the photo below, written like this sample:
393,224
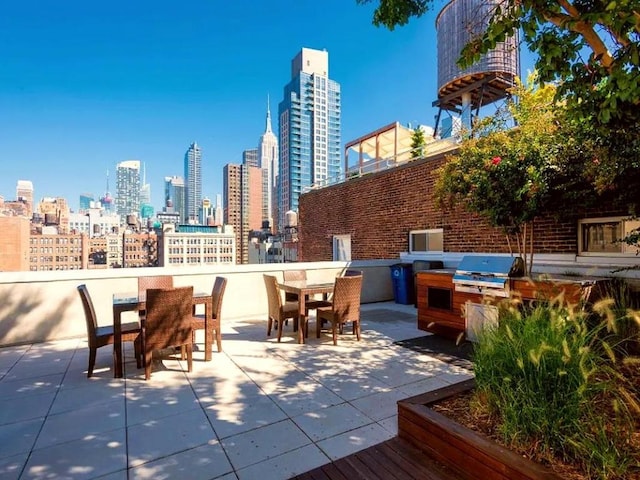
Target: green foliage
509,177
591,50
603,86
550,378
391,13
417,142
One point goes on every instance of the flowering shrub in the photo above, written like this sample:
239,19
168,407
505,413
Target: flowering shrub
506,175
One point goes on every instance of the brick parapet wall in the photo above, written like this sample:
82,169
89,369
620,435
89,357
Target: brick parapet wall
379,209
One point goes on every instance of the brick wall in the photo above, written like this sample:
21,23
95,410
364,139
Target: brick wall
379,209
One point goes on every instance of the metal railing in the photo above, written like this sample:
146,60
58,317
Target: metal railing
379,165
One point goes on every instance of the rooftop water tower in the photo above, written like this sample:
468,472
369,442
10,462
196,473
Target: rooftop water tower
485,82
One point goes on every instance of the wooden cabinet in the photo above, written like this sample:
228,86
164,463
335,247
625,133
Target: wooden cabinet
440,307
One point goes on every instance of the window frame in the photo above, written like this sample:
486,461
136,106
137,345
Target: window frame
628,224
344,241
427,232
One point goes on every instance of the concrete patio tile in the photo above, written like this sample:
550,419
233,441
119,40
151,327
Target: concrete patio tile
228,476
11,467
28,407
9,356
232,389
221,366
354,441
286,465
331,421
456,376
119,475
297,393
263,443
252,412
390,424
77,375
200,463
30,386
163,370
85,458
350,385
39,364
380,405
145,404
90,393
82,423
396,374
19,437
423,386
161,437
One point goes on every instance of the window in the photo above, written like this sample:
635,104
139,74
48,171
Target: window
421,241
342,248
599,236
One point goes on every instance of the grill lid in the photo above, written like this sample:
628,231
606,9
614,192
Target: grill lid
479,274
491,266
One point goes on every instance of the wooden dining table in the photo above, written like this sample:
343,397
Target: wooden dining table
304,288
132,302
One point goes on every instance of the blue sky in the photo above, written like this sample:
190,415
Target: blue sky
85,85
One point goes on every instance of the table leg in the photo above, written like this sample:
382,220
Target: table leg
117,344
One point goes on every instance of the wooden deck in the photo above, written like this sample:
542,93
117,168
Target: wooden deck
395,459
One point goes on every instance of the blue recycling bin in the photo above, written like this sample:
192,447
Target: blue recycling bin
402,279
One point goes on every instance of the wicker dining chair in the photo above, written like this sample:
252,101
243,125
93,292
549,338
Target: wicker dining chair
101,336
167,323
198,322
345,307
352,273
279,311
157,281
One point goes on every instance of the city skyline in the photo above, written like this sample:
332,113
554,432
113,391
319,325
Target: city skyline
84,88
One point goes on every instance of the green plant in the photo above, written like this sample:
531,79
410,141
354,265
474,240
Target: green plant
509,177
417,142
551,378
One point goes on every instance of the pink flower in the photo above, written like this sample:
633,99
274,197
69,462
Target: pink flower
496,160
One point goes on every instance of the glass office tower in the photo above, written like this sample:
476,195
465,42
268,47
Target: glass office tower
309,121
193,182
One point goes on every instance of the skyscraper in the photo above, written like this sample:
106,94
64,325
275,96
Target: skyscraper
146,209
24,193
250,157
309,128
268,161
107,200
174,196
86,201
193,182
242,203
128,189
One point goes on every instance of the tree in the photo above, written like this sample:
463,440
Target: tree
591,47
417,142
510,177
561,33
591,50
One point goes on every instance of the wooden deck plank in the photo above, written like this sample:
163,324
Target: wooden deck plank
395,459
413,458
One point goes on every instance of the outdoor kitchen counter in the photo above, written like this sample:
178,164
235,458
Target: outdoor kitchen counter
573,288
441,307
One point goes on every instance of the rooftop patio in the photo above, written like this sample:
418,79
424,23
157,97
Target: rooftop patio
260,409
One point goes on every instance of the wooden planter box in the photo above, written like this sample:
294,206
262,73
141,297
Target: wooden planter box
459,448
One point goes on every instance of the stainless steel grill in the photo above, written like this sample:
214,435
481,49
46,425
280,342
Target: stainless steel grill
487,275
